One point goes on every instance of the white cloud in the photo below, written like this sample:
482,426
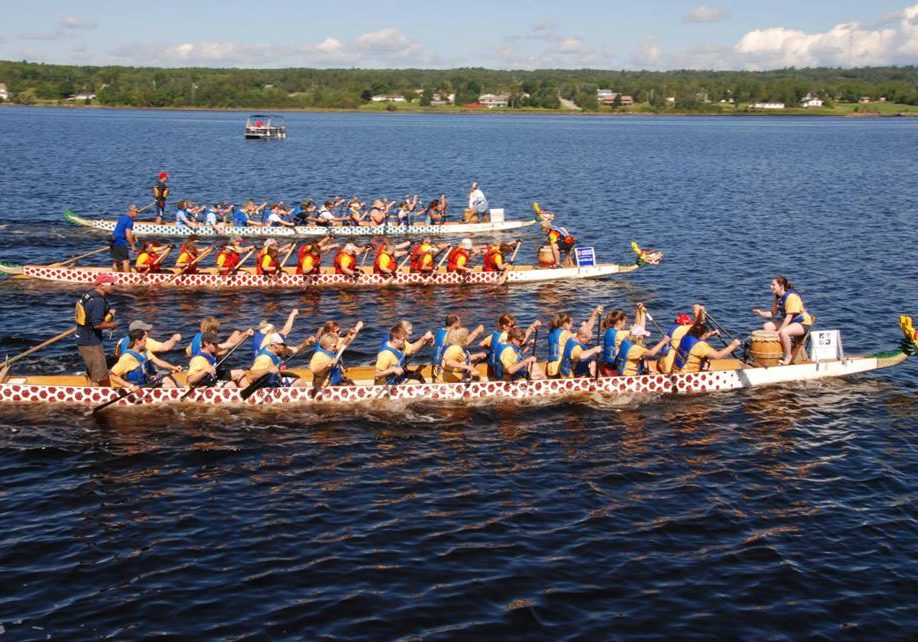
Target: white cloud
648,54
704,13
71,22
220,54
543,47
43,35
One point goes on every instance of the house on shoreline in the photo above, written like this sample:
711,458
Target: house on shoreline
4,93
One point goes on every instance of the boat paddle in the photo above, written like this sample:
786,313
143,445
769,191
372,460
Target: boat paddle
721,329
535,342
204,254
397,270
280,268
44,344
123,393
146,207
512,261
241,261
191,388
441,262
68,262
260,383
319,378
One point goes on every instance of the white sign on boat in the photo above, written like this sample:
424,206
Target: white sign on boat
826,345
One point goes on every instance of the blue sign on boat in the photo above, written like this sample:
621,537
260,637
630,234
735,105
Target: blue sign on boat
586,257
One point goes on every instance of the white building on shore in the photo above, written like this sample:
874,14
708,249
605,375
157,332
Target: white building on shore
4,94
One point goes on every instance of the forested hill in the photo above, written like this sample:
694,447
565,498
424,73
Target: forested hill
296,88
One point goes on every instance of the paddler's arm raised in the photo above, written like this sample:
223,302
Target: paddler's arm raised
420,343
474,334
288,326
535,325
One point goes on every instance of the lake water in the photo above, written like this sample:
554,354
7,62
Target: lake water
776,513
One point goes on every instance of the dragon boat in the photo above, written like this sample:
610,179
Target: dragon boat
142,228
722,375
246,278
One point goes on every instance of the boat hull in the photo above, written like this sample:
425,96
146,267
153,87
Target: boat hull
303,231
249,280
22,391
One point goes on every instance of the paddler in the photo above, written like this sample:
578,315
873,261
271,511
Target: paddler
386,262
505,323
789,314
267,262
160,193
423,256
202,369
334,328
410,348
151,257
379,212
153,346
266,329
136,366
578,360
248,214
231,254
309,256
346,261
390,360
93,314
460,256
325,363
632,354
187,254
122,241
458,363
270,361
186,214
559,333
561,243
614,332
511,365
440,343
676,332
495,257
278,216
694,352
211,325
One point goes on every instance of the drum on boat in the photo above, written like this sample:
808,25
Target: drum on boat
765,348
546,256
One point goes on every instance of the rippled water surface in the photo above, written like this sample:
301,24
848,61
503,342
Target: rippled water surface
775,513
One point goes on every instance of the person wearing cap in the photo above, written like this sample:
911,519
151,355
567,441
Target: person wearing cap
478,209
346,261
203,370
230,255
122,241
93,314
160,193
137,366
694,352
270,363
676,332
510,364
459,257
632,354
265,329
153,346
151,257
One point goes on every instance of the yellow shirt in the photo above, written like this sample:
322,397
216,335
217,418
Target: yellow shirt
385,359
665,364
794,305
552,366
308,263
508,358
262,362
126,363
385,261
320,362
198,364
699,350
346,261
453,353
268,263
461,261
633,359
185,257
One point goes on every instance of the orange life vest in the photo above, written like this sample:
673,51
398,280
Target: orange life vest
342,260
377,264
452,260
491,259
227,259
260,263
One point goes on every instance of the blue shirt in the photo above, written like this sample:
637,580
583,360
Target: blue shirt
96,307
119,235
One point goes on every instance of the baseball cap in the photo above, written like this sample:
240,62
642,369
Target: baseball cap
139,325
210,337
683,319
466,243
276,339
638,330
163,175
104,278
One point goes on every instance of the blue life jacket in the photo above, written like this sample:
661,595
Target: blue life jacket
667,347
273,380
685,348
139,375
336,375
196,344
122,345
609,352
439,347
567,361
499,368
394,379
257,339
240,219
555,349
621,361
493,352
798,318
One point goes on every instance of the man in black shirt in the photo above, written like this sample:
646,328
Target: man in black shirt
93,315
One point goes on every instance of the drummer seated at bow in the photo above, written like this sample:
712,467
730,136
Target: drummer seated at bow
790,316
632,356
136,367
230,255
560,331
151,257
511,365
458,362
190,255
387,256
269,366
203,369
695,352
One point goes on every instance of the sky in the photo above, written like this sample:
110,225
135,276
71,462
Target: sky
496,34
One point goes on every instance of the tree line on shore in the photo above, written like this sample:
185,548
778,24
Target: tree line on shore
303,88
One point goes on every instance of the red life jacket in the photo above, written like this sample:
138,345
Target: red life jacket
301,256
230,260
338,257
377,264
452,260
190,255
417,257
262,253
491,253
